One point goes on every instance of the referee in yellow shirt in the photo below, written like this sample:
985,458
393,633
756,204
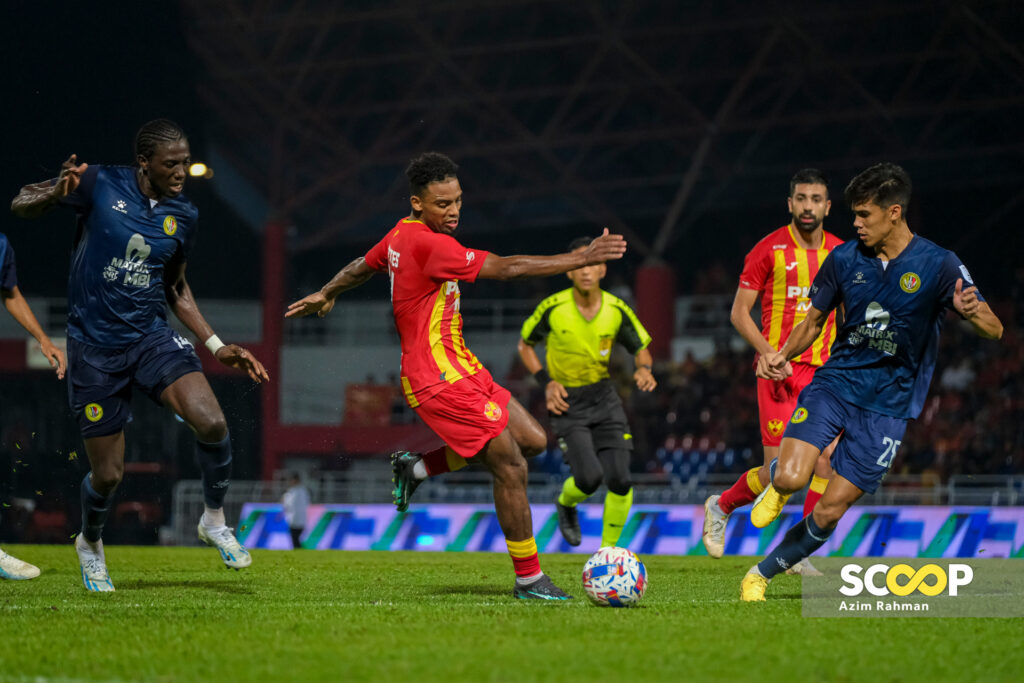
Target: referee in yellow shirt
579,326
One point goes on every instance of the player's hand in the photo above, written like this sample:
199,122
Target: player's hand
555,395
69,178
644,379
965,301
234,356
774,366
607,247
55,356
314,303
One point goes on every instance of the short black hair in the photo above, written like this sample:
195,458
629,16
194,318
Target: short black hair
884,184
580,242
429,167
807,176
156,132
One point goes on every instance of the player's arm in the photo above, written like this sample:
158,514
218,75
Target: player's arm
644,373
36,199
742,305
978,313
354,274
183,304
604,248
18,307
775,365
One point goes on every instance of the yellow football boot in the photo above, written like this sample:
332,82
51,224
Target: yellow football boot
753,586
767,507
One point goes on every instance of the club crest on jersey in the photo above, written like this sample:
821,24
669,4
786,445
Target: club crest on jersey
492,411
775,427
94,412
170,225
799,416
910,282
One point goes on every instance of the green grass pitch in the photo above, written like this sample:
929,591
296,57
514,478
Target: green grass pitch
178,615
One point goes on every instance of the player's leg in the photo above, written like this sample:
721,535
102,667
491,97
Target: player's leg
503,459
789,474
578,450
191,398
803,539
614,444
820,478
106,468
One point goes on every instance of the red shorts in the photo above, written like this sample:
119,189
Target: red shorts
467,414
776,401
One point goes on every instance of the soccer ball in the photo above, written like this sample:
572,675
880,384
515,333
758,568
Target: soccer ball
614,577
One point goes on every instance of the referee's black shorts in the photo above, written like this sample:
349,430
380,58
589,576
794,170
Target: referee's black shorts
597,408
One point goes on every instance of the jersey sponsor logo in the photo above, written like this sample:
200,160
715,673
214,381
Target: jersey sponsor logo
780,246
910,282
134,263
170,225
791,265
470,257
876,317
120,205
775,426
876,320
967,275
492,411
94,412
799,415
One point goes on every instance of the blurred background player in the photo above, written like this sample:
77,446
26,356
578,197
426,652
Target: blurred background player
779,270
451,391
135,230
895,288
579,326
295,504
15,303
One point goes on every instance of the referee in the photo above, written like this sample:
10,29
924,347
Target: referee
579,325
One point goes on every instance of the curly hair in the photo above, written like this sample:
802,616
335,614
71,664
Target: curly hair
884,184
154,133
429,167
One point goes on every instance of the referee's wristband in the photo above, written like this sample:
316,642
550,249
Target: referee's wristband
649,368
542,377
214,344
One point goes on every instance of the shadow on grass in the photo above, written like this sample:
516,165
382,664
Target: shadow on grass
213,586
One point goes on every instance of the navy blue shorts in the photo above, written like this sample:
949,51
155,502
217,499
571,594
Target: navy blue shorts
869,442
100,380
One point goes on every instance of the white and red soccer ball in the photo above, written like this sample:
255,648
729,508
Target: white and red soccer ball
614,577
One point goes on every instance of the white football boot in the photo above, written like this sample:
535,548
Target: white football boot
94,566
231,551
714,527
14,569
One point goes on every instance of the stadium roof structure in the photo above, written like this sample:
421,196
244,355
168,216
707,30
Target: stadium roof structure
643,115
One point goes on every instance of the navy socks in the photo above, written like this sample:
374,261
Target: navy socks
94,511
215,462
799,542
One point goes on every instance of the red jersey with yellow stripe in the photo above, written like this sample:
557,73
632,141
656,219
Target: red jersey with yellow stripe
783,271
425,268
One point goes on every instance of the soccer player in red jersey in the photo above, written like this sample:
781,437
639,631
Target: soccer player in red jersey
779,270
451,391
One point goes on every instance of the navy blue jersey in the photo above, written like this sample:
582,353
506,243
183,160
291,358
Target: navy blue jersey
8,273
884,355
124,243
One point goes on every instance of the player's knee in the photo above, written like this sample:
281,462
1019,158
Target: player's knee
211,427
589,480
509,470
828,513
788,480
534,442
106,477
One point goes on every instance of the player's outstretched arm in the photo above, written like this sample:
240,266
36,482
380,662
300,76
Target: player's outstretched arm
183,304
354,274
18,307
978,313
36,199
607,247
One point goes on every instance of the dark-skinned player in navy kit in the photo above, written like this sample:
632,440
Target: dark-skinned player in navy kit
135,230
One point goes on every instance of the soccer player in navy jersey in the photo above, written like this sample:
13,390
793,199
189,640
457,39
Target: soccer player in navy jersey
15,303
895,287
135,232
